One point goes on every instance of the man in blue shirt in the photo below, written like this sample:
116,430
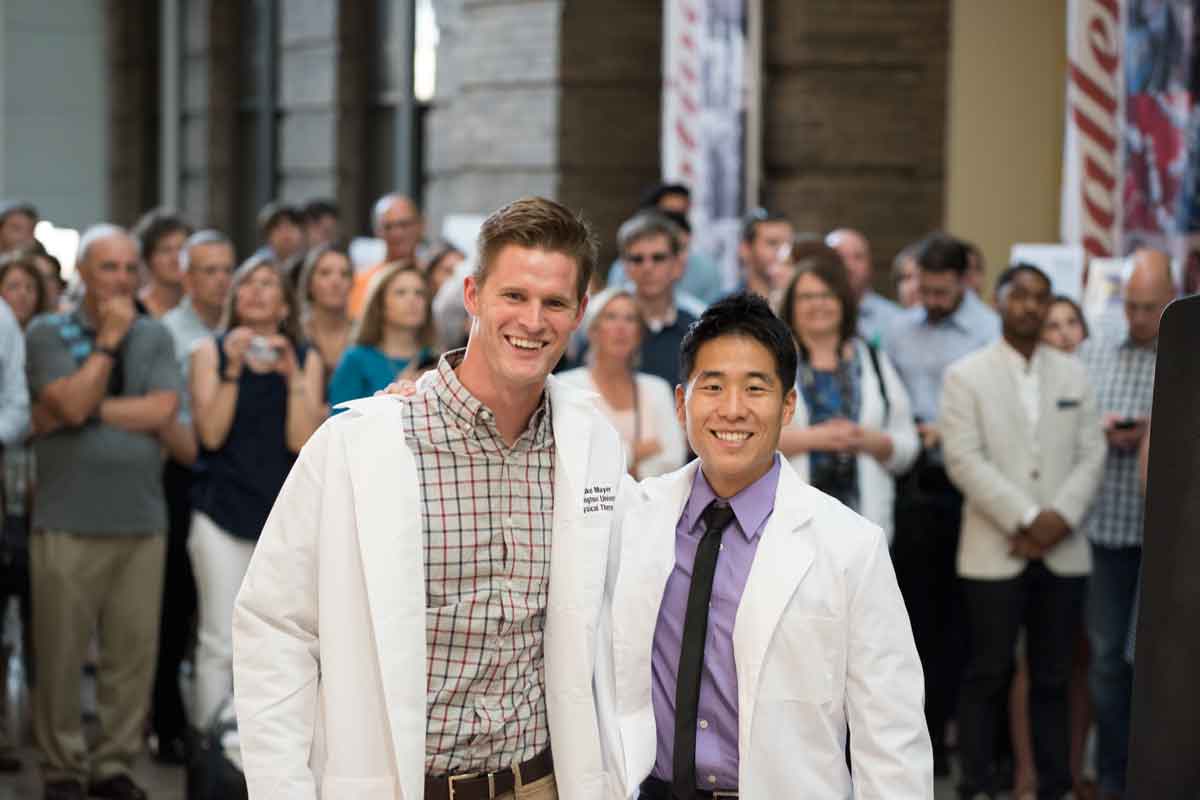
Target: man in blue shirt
950,323
876,314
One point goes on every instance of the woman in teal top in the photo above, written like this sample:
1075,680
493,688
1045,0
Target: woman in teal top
393,335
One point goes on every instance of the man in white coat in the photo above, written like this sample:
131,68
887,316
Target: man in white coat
420,617
1023,442
755,622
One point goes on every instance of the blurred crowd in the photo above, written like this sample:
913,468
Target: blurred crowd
151,409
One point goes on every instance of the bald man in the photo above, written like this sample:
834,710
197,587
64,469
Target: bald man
875,312
1120,366
398,222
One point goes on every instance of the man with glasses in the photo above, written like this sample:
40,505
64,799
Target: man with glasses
398,222
948,324
650,251
1121,369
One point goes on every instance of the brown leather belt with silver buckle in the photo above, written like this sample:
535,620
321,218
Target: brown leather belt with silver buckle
488,785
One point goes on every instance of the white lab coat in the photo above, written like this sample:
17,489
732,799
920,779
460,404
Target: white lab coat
329,627
821,640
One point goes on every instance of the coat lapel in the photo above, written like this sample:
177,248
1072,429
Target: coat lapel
647,560
784,556
383,477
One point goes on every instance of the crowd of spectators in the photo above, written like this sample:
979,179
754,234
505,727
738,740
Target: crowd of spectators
150,412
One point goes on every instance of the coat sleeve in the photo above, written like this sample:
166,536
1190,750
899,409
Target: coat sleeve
276,645
890,750
984,486
1076,493
900,425
664,426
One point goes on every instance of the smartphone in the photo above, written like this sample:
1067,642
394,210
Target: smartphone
260,350
1127,424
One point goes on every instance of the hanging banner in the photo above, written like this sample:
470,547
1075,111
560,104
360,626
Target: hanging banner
705,103
1092,154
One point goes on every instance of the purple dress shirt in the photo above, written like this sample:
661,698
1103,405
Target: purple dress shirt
717,732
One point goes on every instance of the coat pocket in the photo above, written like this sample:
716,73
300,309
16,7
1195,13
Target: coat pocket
802,660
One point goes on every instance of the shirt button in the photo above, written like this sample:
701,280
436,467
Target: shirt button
712,779
721,547
703,724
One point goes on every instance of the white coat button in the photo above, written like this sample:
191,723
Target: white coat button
703,724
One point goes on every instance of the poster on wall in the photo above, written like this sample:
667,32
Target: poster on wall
1131,153
704,118
1063,263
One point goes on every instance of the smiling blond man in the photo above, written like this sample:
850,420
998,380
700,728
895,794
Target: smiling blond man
420,615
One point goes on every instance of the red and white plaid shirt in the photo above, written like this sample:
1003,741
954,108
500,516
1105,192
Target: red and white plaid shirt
487,515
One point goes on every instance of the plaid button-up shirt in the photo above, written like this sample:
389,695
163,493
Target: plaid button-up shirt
1122,375
487,515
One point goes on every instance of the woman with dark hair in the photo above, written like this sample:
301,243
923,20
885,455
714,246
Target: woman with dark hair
440,264
256,398
326,278
160,235
393,335
854,431
1065,327
22,287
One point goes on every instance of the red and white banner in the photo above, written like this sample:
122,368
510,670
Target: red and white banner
1093,153
705,102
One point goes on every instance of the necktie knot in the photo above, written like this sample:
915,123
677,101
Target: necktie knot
717,515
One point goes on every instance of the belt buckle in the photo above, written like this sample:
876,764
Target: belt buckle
491,779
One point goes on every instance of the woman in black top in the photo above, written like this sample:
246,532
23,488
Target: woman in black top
256,395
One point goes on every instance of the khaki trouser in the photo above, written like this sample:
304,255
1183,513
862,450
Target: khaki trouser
541,789
113,585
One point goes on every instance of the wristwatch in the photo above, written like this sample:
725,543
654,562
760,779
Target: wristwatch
111,352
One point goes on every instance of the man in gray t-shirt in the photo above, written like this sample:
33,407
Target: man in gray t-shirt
105,385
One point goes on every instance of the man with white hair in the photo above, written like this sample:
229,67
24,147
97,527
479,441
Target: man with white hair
875,312
396,220
105,386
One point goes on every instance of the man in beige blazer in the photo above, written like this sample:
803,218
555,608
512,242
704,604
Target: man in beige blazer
1023,442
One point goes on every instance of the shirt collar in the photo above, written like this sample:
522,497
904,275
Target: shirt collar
467,412
1018,360
752,506
659,325
1128,343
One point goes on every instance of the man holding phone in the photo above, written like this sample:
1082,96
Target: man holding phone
1121,370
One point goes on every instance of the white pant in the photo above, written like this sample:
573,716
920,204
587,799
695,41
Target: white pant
219,561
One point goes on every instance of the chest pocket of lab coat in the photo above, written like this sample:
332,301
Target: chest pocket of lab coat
804,660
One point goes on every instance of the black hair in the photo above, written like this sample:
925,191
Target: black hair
154,226
7,209
742,314
652,196
940,252
319,207
680,220
274,213
1016,269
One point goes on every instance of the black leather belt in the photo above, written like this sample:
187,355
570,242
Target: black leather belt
655,789
488,785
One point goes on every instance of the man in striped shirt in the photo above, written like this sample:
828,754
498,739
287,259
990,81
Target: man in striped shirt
1121,369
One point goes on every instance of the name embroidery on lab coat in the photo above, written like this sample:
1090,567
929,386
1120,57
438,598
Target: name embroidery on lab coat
597,499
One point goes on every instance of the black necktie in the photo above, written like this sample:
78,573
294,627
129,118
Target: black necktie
691,650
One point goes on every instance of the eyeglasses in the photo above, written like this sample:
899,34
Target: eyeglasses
813,297
656,258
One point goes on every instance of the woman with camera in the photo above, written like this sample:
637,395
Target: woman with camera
853,431
256,398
